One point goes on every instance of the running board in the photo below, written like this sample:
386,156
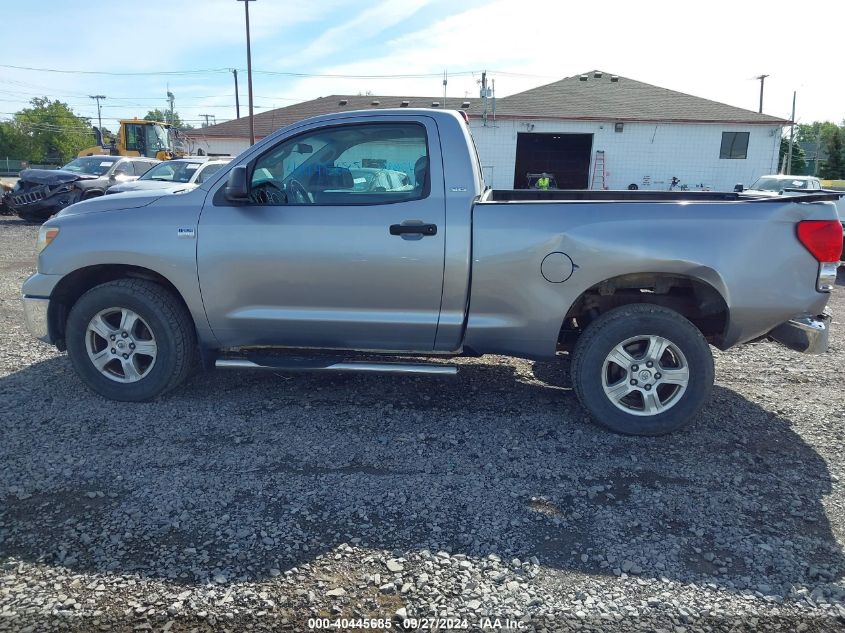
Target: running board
316,364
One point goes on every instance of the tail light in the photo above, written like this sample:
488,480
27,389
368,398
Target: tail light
823,238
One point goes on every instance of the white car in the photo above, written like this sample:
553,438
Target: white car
178,173
776,184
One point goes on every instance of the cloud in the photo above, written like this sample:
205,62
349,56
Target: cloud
363,26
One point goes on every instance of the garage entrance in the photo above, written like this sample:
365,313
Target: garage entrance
567,156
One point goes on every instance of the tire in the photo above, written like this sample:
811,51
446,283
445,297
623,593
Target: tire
163,329
659,403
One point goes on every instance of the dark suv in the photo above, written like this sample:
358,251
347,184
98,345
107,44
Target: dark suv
40,193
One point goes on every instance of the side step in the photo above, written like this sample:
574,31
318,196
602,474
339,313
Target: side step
280,363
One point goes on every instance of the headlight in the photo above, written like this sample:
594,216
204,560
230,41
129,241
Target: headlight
45,237
64,188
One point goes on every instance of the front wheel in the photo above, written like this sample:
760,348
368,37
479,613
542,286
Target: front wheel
642,370
130,340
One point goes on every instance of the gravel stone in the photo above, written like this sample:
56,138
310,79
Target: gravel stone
254,501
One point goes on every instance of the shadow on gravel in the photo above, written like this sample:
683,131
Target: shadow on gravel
247,475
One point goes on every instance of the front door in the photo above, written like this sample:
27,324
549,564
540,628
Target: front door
329,253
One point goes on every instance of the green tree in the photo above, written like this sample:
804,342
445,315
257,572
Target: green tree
815,132
12,141
834,167
164,117
799,162
48,131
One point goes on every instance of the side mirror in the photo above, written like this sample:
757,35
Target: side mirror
739,188
112,177
237,187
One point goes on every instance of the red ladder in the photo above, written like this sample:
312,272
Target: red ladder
599,172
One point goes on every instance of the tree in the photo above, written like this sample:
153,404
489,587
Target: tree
815,132
799,162
49,131
834,167
164,117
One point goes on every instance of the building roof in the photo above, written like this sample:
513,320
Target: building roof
601,96
592,96
272,120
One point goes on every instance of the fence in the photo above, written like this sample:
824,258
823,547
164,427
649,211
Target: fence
11,166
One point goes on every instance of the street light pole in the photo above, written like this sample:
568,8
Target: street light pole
249,72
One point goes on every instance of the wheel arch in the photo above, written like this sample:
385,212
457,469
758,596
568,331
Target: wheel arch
698,299
75,284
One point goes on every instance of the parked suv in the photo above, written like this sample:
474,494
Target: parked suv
40,193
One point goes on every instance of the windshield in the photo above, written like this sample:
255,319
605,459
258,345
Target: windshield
172,171
157,139
779,184
94,165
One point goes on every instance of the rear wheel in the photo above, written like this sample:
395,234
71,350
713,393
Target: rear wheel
130,340
642,370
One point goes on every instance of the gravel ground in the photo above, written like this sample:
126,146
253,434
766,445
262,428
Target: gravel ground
257,501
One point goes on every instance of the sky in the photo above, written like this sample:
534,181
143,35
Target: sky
402,47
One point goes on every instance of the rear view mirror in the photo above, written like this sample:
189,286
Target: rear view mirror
237,187
739,188
303,148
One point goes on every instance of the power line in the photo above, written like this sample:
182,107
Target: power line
279,73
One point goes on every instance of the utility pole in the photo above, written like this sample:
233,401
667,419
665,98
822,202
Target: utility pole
484,96
791,137
762,79
206,117
99,117
172,99
249,72
237,98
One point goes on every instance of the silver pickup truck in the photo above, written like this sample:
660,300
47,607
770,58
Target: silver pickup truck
290,259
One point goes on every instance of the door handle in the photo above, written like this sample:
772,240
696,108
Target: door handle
415,228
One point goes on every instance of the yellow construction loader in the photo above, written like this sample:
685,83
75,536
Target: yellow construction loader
137,137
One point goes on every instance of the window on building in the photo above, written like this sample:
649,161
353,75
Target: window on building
734,145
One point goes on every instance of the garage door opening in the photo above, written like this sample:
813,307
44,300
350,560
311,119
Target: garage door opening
565,156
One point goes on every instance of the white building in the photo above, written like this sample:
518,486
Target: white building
594,130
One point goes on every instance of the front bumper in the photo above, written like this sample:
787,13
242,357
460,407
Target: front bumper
810,335
35,314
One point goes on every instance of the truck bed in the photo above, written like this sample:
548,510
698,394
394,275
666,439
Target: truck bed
641,195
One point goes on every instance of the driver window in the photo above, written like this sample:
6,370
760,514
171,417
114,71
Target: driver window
134,137
374,163
124,169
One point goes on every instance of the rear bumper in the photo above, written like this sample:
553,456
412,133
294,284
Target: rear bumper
810,335
35,314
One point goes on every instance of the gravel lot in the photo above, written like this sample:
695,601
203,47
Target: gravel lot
256,501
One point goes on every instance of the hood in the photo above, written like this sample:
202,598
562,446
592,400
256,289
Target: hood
52,176
150,185
129,200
